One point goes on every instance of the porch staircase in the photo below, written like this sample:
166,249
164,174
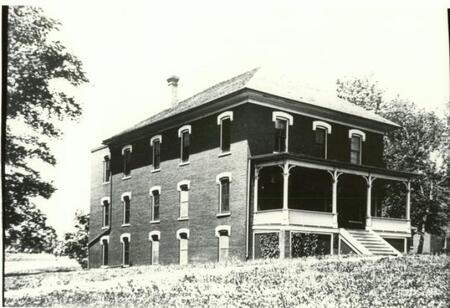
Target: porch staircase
367,242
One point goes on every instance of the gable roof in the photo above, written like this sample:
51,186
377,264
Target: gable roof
268,82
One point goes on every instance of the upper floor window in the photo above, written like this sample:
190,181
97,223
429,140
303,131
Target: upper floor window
126,153
105,210
321,130
224,120
125,239
155,192
183,188
106,169
184,134
155,143
224,180
126,201
282,122
356,139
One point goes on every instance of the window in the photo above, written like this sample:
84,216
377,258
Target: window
184,133
105,212
155,192
155,142
223,180
154,237
183,188
282,121
106,169
126,153
125,239
224,120
356,138
126,200
223,233
183,237
104,241
321,130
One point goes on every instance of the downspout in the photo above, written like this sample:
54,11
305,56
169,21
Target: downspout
247,208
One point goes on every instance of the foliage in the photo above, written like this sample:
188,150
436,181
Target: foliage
416,147
410,281
32,234
306,245
75,244
34,105
269,244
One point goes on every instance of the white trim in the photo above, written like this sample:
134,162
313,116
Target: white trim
102,201
155,232
184,163
127,235
183,182
182,230
223,214
223,175
128,146
153,188
222,154
322,124
224,115
283,115
125,194
104,237
352,132
221,228
184,128
154,138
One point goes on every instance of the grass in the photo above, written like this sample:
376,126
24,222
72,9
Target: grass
409,281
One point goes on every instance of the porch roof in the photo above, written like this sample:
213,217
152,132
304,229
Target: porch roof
331,164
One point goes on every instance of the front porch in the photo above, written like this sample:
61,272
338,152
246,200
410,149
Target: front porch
293,192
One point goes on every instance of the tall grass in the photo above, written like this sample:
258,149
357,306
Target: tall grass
410,281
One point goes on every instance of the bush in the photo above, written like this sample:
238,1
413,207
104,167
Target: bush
75,244
306,244
269,245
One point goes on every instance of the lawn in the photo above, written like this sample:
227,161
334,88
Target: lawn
409,281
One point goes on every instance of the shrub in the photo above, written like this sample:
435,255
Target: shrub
269,245
306,244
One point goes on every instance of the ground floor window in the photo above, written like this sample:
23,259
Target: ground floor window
154,238
183,237
310,244
223,233
125,239
267,245
104,243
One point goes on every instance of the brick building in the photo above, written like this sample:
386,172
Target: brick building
245,169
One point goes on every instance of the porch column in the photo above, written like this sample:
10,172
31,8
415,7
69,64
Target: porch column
255,190
369,180
408,200
334,176
285,185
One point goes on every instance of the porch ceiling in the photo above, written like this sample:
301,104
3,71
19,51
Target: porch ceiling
324,164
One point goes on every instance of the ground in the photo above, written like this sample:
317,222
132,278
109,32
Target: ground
408,281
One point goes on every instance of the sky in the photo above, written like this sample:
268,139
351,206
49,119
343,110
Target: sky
129,49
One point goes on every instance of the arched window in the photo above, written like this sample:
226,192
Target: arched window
183,237
126,202
155,143
321,130
224,120
126,153
223,233
106,169
155,193
356,138
282,122
125,240
105,211
183,189
224,180
154,238
184,133
104,241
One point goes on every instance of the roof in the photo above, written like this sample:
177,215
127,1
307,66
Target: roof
267,81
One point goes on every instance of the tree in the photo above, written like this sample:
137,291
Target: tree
34,105
415,147
75,244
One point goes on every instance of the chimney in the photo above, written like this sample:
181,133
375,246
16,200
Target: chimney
172,82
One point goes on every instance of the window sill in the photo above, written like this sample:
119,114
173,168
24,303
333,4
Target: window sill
224,154
125,265
223,214
155,170
126,177
104,183
105,227
182,218
125,225
155,221
184,164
